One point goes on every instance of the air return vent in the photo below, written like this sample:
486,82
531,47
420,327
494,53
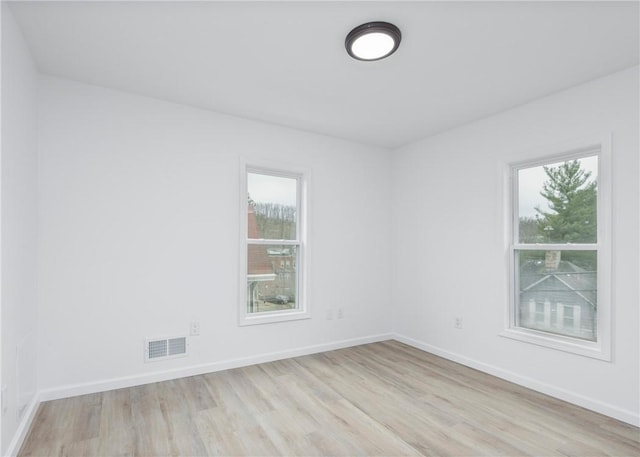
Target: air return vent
165,348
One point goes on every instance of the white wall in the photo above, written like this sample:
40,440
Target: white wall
139,235
449,232
19,225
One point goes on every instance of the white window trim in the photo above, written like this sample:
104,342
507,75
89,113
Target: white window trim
600,349
303,310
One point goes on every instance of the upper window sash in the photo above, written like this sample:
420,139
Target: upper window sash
576,154
298,203
582,153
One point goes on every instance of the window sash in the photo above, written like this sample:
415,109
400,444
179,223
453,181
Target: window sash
283,282
556,247
515,190
264,241
553,330
299,199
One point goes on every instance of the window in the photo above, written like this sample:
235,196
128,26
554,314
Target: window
273,246
559,252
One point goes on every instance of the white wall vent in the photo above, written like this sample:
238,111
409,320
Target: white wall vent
165,348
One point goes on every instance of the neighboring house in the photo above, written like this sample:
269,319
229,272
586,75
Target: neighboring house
560,298
259,268
270,270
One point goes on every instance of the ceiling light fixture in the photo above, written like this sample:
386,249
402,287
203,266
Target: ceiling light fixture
373,41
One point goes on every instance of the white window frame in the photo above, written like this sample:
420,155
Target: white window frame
302,176
601,348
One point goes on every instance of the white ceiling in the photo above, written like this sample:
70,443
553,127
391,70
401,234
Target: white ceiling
285,62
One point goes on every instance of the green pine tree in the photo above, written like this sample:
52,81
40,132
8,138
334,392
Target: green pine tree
572,202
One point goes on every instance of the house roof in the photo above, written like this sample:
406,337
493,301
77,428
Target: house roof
568,277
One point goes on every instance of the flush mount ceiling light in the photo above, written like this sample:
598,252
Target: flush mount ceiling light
373,41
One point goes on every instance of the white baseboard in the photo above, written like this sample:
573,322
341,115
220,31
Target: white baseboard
594,405
23,426
136,380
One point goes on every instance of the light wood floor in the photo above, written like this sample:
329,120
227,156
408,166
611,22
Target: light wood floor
377,399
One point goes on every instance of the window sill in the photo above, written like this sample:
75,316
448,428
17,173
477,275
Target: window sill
559,342
273,317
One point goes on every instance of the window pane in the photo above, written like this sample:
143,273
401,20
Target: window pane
557,292
557,203
272,207
272,279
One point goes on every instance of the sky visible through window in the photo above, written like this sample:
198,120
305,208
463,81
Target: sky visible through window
271,189
530,181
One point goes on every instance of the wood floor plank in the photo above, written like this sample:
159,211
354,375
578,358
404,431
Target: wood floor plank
377,399
218,435
231,408
116,434
149,423
82,447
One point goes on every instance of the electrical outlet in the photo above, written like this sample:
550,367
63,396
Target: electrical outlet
457,322
194,328
340,313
